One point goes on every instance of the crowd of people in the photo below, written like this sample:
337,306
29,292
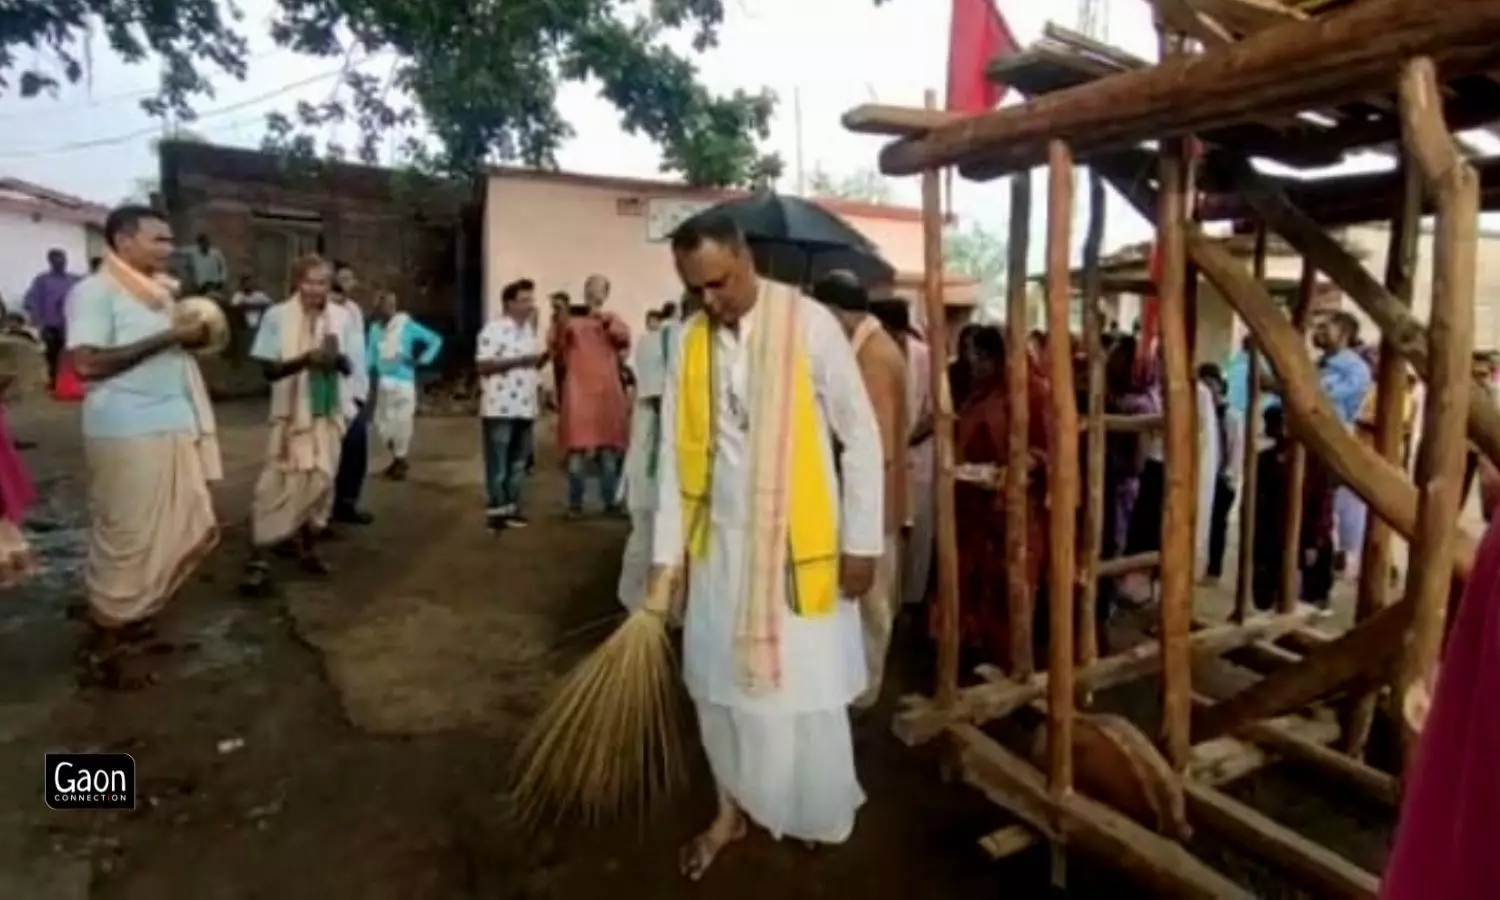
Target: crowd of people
770,445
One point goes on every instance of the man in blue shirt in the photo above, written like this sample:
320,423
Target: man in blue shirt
398,345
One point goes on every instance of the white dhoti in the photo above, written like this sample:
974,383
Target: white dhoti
785,757
396,414
782,752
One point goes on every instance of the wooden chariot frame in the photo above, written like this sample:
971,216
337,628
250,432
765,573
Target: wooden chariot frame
1238,78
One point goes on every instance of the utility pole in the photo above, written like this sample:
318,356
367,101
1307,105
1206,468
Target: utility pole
1093,19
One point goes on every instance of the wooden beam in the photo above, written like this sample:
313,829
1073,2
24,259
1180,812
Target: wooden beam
1062,489
1362,651
1398,327
1155,861
1370,782
947,529
1178,501
1006,842
1250,461
1296,463
1380,484
1091,544
896,121
1019,597
1124,565
1279,72
1450,336
1315,865
1390,439
920,719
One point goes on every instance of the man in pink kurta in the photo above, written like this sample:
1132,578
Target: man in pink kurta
594,420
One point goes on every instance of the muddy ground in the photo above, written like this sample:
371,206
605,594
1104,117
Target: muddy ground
350,738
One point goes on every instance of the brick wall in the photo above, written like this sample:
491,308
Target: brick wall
397,232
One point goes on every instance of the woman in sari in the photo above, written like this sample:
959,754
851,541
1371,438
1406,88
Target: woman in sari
1449,830
298,343
981,436
17,561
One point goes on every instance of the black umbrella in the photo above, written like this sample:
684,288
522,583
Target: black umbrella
797,241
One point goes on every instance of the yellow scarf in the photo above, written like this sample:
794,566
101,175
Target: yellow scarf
793,513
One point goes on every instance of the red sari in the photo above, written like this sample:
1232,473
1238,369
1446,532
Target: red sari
981,435
1447,841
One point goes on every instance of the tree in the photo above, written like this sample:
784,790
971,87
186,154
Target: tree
865,185
481,77
977,253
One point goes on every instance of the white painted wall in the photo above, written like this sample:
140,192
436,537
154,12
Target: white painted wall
24,242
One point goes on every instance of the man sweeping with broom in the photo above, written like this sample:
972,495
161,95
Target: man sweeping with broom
780,536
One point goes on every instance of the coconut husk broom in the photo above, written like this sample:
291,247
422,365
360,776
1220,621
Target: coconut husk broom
609,742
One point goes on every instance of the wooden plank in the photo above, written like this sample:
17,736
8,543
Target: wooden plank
1450,337
1281,71
920,719
1006,842
1317,866
1156,862
1125,565
1225,759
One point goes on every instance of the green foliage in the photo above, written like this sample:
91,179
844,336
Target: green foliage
864,185
480,75
978,253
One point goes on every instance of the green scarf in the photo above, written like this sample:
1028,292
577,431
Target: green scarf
323,394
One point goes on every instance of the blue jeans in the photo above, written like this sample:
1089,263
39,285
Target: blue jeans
507,447
607,462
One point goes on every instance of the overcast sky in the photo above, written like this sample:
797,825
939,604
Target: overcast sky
94,140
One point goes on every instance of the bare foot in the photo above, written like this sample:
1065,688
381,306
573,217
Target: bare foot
699,853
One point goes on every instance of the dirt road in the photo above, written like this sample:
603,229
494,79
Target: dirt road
349,738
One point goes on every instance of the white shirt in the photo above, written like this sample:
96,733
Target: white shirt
352,341
512,394
650,362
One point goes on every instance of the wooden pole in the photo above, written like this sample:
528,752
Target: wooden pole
1296,465
1440,461
1398,327
1244,583
1177,543
942,428
1279,72
1093,509
1381,485
1018,588
1062,477
1390,437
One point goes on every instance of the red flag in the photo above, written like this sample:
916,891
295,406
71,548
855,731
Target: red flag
978,34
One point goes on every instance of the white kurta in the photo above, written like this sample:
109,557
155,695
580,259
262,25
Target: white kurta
650,365
786,757
1208,472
